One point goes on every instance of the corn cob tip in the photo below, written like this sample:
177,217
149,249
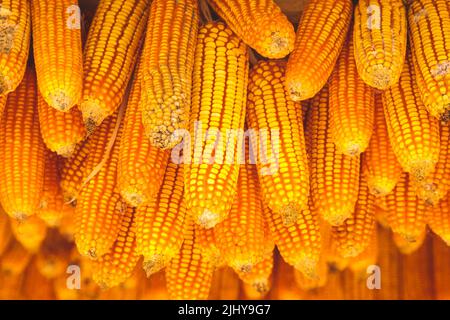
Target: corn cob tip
66,151
132,196
5,85
163,138
289,214
308,267
206,218
299,91
419,169
60,100
381,186
337,216
153,264
245,267
91,115
381,76
261,286
280,46
353,148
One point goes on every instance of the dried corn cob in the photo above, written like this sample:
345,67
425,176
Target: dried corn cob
61,131
408,247
30,232
379,165
57,53
100,209
351,105
21,152
334,176
189,274
15,30
413,133
208,245
260,24
218,106
168,60
240,237
15,259
305,283
277,121
159,225
118,264
439,219
355,234
320,37
429,22
141,166
109,56
5,231
407,215
380,36
259,277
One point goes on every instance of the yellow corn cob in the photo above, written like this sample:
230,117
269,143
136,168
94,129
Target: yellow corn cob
36,286
408,247
351,104
437,184
159,225
5,231
439,219
189,274
118,264
305,283
61,131
336,261
15,30
334,176
278,141
320,36
260,24
57,52
354,235
100,209
407,215
240,237
21,152
208,245
380,36
369,256
379,165
299,244
30,232
15,259
413,133
109,57
168,60
141,166
429,21
259,277
218,106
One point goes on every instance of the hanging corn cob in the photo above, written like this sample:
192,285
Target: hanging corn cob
413,133
351,105
429,21
57,52
109,57
334,176
379,165
189,274
30,232
160,224
439,219
15,30
320,36
408,247
21,152
259,277
380,36
305,283
209,248
168,60
277,140
218,106
260,24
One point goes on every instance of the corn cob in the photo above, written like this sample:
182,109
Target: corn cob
380,36
354,235
160,224
283,165
189,274
100,209
218,106
209,248
408,247
118,264
437,184
111,50
320,36
334,176
168,60
259,277
351,104
21,152
240,237
336,261
299,244
141,166
61,131
30,232
57,53
15,30
36,286
5,231
379,165
413,133
407,215
260,24
305,283
15,259
429,22
439,219
366,258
